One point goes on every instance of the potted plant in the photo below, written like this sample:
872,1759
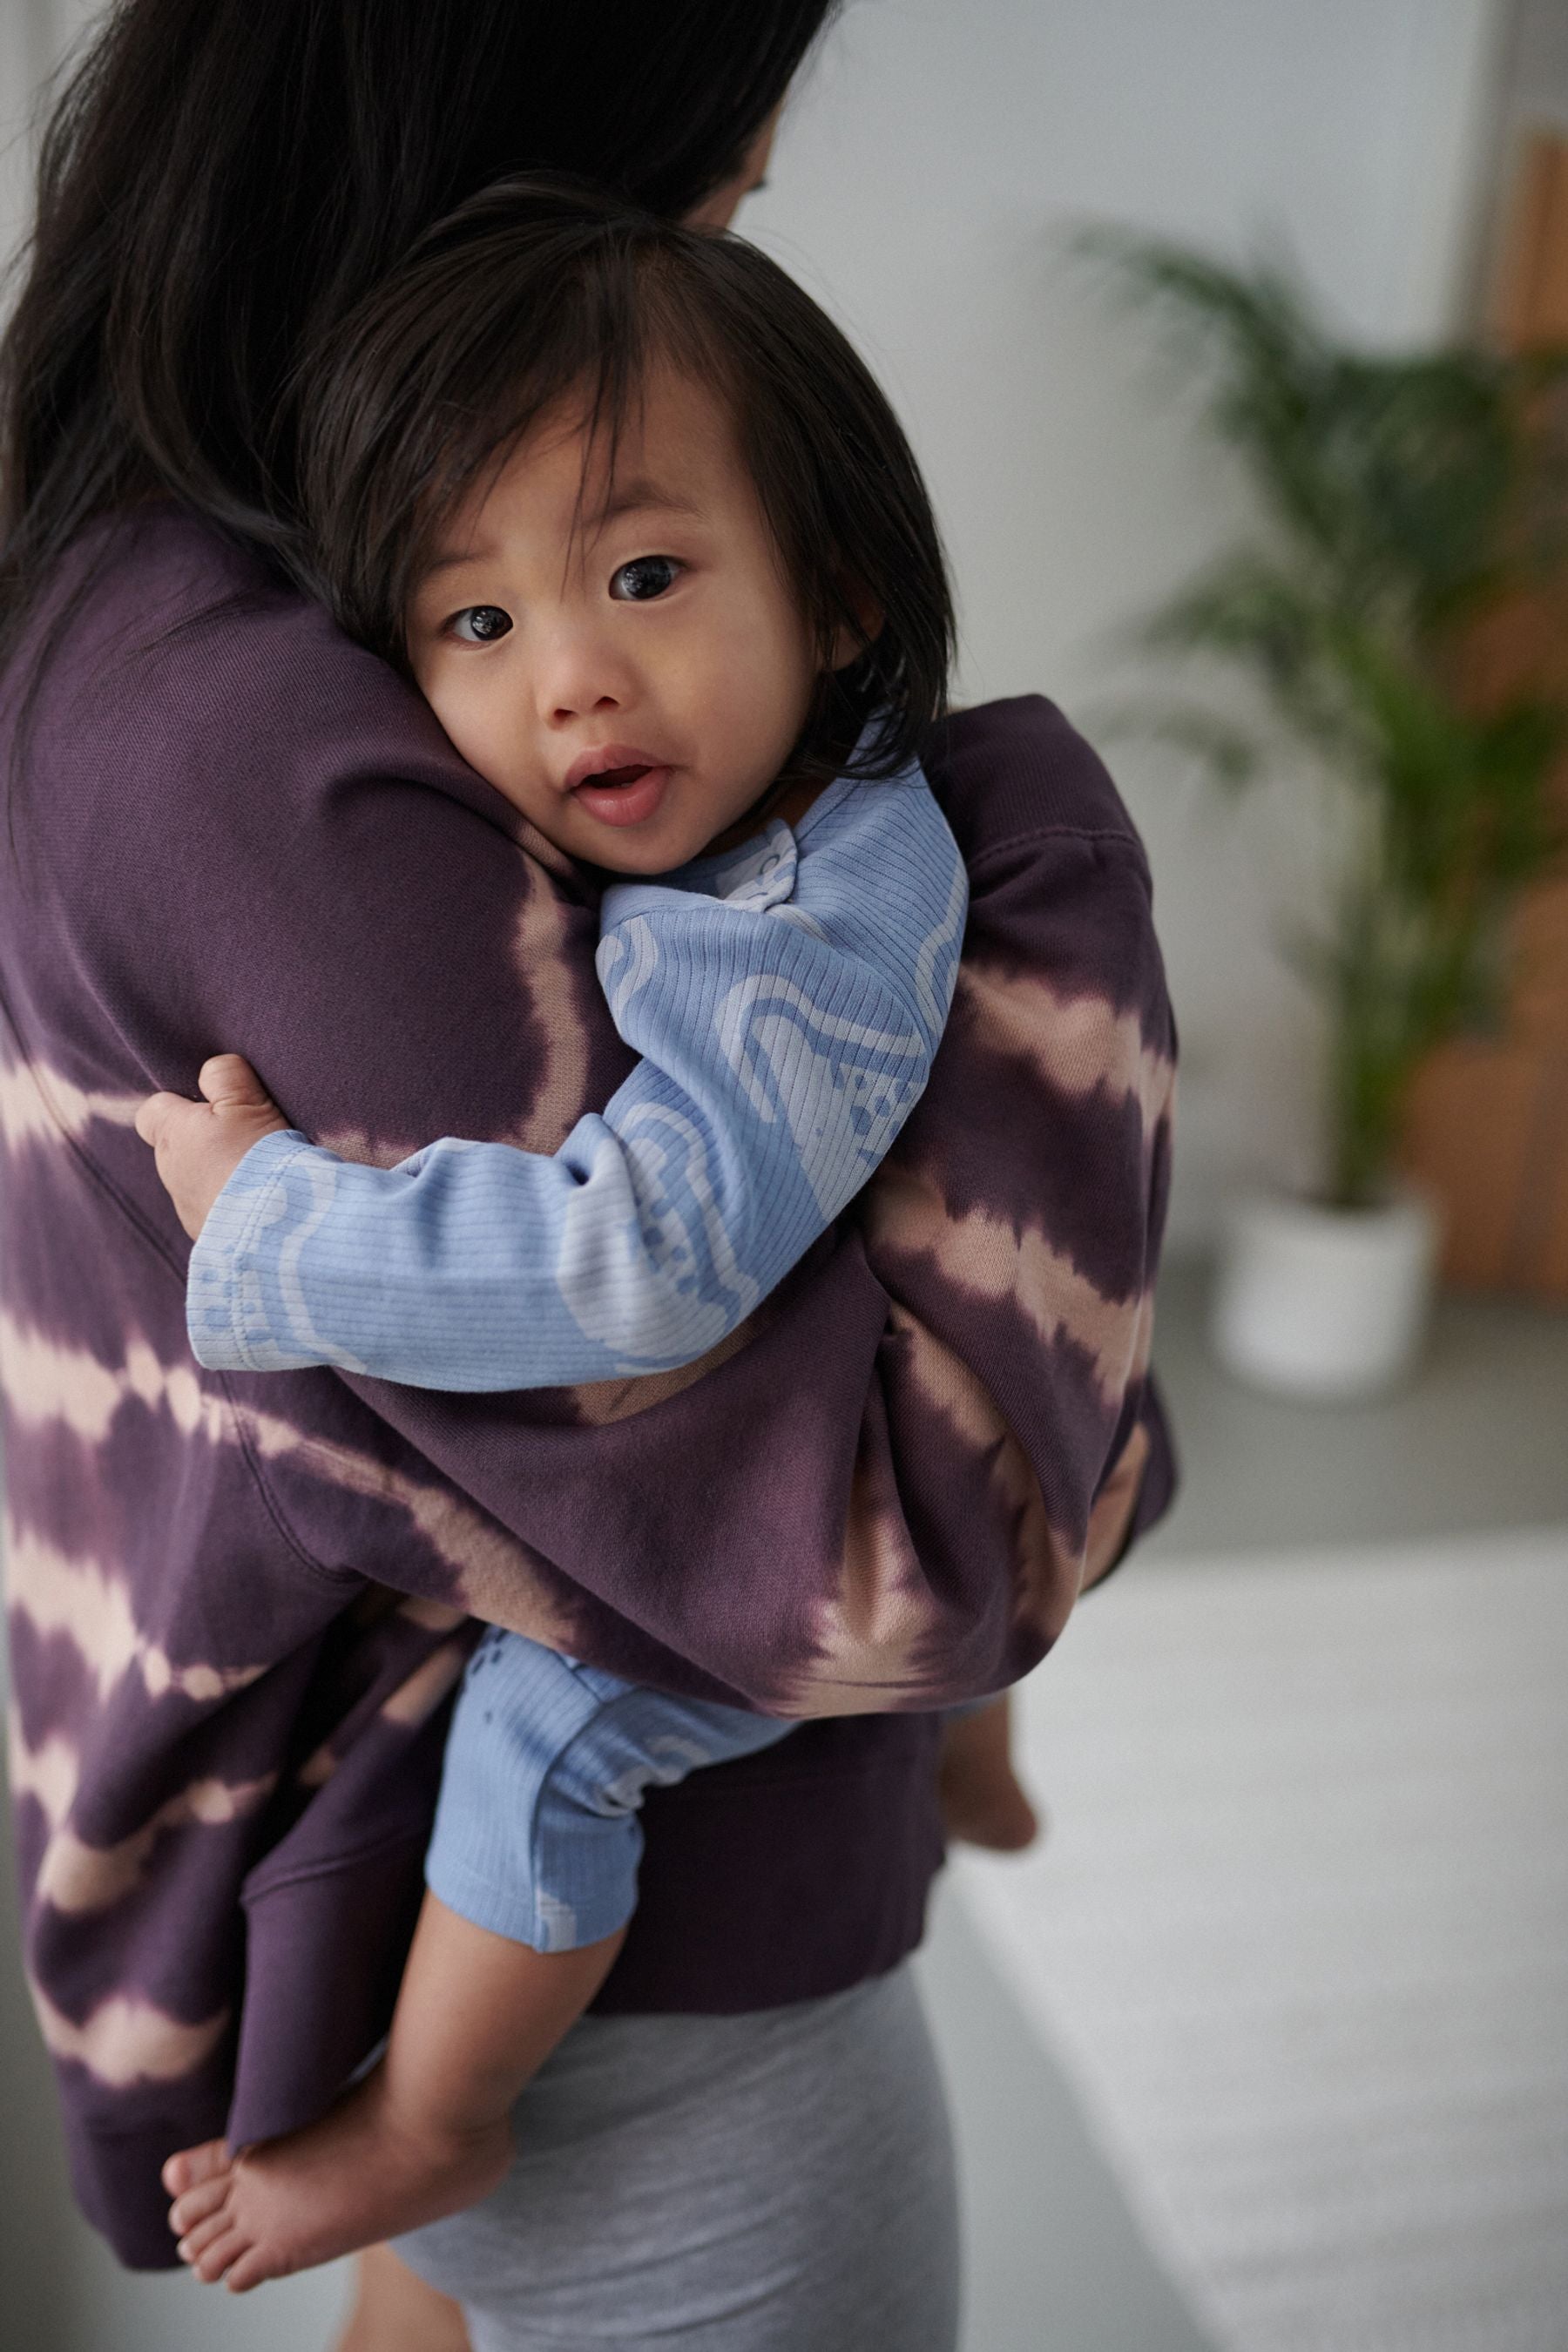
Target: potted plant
1408,504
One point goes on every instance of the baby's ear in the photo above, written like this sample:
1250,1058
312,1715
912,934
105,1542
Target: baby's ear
860,630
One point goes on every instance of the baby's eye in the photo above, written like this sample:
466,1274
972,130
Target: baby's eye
480,624
646,577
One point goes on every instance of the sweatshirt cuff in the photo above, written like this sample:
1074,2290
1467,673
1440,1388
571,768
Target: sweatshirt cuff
225,1309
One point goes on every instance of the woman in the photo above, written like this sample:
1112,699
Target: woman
937,1431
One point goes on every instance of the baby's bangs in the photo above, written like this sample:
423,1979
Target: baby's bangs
586,354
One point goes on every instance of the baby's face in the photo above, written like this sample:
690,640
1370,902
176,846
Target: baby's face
633,689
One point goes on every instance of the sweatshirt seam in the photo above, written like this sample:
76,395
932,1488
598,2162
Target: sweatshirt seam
1113,833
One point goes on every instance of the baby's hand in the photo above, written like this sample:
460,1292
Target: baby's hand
198,1145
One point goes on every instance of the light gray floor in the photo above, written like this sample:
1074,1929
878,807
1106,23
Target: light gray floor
1477,1440
1056,2263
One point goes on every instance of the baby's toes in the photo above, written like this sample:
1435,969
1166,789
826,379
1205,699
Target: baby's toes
195,2164
253,2268
221,2255
194,2206
195,2240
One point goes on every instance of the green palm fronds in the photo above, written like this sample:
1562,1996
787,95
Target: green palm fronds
1405,498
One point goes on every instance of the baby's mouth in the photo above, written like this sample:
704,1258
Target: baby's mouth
626,793
616,776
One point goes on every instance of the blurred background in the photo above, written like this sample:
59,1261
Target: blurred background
1267,2046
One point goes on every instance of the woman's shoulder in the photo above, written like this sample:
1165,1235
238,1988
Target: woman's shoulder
209,763
1059,882
237,828
155,574
1014,772
161,641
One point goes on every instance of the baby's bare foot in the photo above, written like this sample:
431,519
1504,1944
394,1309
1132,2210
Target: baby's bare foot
987,1808
361,2174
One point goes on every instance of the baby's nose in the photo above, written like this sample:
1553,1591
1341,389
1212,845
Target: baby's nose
580,678
582,706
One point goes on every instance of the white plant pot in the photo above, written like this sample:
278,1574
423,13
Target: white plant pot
1325,1303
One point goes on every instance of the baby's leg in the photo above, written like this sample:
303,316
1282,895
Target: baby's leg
533,1877
424,2134
983,1801
537,1833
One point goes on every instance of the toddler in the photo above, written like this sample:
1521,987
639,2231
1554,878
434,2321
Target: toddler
626,508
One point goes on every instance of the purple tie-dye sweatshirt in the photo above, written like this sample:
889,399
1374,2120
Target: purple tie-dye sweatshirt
238,1604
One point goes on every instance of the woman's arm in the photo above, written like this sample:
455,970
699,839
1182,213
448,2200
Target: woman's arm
786,1000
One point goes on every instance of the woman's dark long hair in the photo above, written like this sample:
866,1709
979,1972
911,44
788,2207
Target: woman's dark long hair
222,180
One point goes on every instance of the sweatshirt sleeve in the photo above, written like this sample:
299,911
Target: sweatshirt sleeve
786,1000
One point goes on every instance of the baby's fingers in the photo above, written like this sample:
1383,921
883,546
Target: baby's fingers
230,1083
160,1116
197,1148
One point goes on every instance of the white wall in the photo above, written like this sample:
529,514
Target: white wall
22,54
35,34
923,183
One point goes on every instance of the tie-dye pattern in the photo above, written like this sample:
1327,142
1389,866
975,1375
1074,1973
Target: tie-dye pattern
230,828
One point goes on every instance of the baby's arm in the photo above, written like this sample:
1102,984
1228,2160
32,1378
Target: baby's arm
787,1000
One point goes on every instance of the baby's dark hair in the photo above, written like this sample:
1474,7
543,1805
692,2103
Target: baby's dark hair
537,289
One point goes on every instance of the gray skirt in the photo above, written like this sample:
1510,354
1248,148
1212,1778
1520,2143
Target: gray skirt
778,2182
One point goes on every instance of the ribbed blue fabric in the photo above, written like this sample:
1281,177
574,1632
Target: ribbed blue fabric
536,1834
786,999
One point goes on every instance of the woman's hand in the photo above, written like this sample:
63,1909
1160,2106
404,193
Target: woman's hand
198,1145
